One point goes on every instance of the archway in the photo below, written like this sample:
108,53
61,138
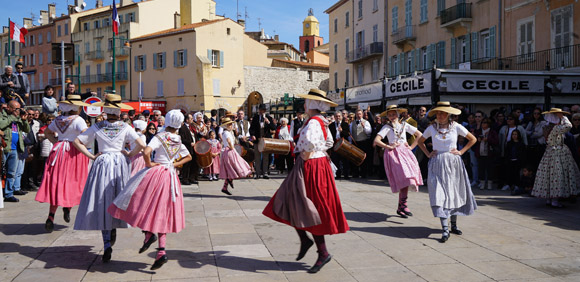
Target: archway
306,46
254,100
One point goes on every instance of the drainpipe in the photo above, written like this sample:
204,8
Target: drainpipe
499,27
385,56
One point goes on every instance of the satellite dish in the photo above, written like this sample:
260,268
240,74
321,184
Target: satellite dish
83,5
53,16
77,9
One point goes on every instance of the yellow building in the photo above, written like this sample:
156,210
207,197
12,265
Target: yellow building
196,67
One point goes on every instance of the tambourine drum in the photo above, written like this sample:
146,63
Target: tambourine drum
241,150
349,151
274,146
203,152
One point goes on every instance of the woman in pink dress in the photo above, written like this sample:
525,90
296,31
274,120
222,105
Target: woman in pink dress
137,161
401,166
152,199
66,168
232,166
214,168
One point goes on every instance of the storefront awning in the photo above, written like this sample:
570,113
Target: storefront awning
365,93
147,105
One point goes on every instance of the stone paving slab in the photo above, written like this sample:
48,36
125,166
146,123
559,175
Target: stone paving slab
227,238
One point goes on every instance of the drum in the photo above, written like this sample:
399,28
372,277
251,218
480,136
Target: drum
241,150
203,152
349,151
274,146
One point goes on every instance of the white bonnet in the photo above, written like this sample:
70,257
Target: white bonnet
174,118
316,105
140,124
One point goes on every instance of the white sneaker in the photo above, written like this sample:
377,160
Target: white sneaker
505,187
489,185
481,185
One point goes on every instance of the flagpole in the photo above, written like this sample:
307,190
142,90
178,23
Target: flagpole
9,41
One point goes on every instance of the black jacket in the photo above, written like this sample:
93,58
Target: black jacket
186,137
255,127
345,130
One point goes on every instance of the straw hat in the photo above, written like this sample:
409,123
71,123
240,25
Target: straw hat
319,95
230,114
444,107
393,108
113,101
74,100
226,121
555,111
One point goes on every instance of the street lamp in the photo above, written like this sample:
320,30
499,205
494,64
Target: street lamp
127,45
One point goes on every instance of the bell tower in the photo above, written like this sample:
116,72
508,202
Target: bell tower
310,33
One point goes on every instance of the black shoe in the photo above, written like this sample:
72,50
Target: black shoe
107,255
231,183
319,264
265,176
147,244
20,193
225,191
444,238
113,237
185,182
256,176
401,213
66,215
11,200
455,230
304,248
159,262
194,182
49,225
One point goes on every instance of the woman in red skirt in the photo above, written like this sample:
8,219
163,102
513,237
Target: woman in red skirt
307,199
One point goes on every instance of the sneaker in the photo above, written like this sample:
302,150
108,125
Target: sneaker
11,199
481,185
505,187
489,185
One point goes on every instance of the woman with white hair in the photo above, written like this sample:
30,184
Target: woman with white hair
401,166
109,173
66,168
558,175
448,183
153,199
308,199
137,161
283,132
198,126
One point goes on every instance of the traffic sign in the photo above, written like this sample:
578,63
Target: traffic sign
93,111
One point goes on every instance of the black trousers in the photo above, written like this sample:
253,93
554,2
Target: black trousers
342,164
190,170
366,166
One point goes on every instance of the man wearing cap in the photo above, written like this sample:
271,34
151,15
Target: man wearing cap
147,115
261,127
361,131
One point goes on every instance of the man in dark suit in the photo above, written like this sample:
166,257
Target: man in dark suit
339,129
8,84
261,127
190,170
297,122
24,90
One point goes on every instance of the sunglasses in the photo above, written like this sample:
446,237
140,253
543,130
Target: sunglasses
478,116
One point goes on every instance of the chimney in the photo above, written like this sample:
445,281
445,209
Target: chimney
27,22
276,37
5,29
71,9
176,20
99,4
242,22
52,11
43,17
126,2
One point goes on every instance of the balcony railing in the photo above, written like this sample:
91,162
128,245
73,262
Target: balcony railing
365,52
107,77
404,34
120,52
459,11
94,55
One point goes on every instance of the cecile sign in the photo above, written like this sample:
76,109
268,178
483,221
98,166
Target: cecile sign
504,84
409,85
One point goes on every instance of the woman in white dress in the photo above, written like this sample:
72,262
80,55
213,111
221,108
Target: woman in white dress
401,165
449,186
109,172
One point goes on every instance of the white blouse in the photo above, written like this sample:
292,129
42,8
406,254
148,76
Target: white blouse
445,139
397,134
68,127
111,137
312,139
143,138
168,150
227,135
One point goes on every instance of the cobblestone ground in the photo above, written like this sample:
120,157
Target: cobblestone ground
227,239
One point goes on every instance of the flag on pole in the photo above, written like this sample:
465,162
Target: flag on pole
116,21
17,33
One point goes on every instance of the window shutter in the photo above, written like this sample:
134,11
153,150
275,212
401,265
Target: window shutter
155,60
467,47
401,63
144,62
362,44
389,63
492,41
429,59
221,59
209,55
175,59
412,53
453,54
185,57
164,60
418,65
474,46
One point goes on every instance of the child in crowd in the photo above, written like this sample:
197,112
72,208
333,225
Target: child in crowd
214,169
514,156
526,181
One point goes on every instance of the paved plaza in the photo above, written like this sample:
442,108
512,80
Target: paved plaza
510,238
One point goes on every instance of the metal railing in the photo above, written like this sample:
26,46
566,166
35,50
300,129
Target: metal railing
459,11
94,55
361,53
119,52
107,77
403,34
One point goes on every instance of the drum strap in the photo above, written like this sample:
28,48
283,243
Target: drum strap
321,125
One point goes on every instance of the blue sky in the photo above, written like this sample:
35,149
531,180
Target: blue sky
276,17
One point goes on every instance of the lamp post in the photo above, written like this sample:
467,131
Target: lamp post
127,45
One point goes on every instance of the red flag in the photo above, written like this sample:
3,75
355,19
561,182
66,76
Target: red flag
17,33
115,18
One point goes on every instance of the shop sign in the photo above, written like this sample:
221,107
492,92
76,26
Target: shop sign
409,85
571,85
365,93
488,83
